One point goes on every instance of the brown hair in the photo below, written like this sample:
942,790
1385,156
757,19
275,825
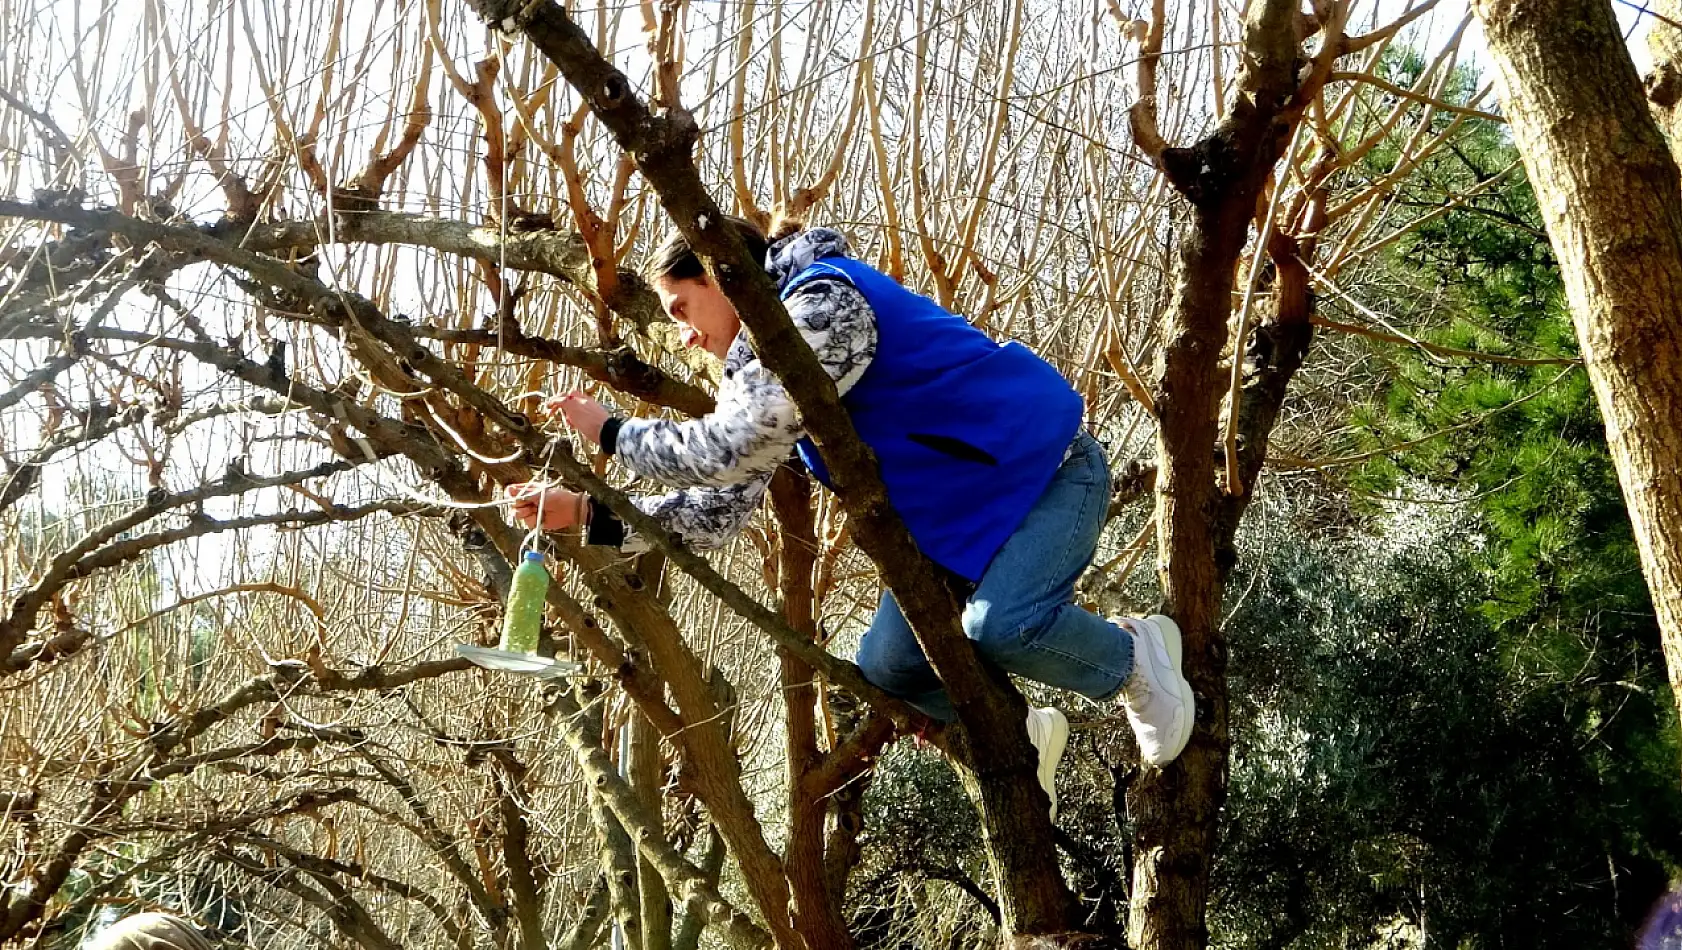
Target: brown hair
675,259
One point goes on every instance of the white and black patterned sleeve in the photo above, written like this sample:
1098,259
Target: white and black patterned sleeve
754,425
702,518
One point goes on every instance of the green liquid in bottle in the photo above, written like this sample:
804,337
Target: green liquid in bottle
523,619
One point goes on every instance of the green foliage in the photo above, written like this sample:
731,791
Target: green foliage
1395,774
1523,441
1458,726
921,838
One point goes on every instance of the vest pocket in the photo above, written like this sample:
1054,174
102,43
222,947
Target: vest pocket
957,448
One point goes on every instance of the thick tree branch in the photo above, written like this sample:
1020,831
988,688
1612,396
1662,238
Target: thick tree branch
818,917
1176,810
585,932
709,761
619,368
511,787
565,255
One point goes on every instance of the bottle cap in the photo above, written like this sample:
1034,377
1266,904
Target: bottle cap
534,555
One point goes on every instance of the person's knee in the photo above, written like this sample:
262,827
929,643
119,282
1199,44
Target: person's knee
900,672
1000,631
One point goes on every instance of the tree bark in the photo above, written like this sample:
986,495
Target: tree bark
1664,83
697,891
1175,810
1610,194
816,915
511,794
646,778
709,762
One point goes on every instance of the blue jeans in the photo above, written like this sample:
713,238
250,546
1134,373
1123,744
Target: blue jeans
1022,615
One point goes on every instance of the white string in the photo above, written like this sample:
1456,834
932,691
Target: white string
529,542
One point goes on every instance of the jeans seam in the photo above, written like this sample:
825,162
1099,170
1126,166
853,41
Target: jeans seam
1085,503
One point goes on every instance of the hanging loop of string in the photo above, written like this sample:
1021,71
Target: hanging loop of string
529,542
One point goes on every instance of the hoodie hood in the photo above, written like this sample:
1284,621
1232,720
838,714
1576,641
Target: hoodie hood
796,252
783,260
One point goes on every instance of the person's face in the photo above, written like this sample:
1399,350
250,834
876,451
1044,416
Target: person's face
702,311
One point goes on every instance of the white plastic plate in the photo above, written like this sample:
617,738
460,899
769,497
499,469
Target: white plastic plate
542,667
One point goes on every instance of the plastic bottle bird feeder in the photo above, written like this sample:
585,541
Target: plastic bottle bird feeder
522,621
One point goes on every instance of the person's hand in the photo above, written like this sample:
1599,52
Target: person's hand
585,415
562,509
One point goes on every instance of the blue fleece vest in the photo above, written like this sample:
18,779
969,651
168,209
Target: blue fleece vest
968,432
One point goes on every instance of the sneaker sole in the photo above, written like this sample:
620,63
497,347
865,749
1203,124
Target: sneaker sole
1187,713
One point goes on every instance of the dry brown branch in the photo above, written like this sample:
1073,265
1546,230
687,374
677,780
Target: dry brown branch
818,914
805,199
56,139
1354,44
1414,95
1142,116
983,184
371,183
334,901
242,203
512,788
746,203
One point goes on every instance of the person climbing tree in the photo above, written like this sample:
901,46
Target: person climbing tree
982,450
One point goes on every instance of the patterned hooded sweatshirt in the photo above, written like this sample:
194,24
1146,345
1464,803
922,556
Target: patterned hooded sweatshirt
722,462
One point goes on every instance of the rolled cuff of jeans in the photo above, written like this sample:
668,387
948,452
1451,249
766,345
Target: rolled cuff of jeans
610,434
605,527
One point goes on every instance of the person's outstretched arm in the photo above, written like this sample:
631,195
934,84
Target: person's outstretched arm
702,518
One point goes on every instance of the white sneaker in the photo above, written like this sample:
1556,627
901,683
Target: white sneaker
1048,730
1157,697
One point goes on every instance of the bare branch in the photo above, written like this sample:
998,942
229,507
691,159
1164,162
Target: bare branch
1142,117
1354,44
683,878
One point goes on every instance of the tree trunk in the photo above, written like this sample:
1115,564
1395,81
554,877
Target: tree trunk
1609,192
646,778
1175,810
1664,83
816,914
